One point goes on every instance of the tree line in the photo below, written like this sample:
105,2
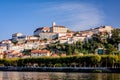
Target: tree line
69,61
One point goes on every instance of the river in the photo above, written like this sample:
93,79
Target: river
57,76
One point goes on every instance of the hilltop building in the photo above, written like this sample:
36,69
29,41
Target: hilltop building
50,33
18,37
58,29
41,30
107,29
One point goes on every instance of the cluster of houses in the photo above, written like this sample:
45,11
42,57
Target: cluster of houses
14,47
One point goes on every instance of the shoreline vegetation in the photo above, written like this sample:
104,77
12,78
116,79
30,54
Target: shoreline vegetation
77,63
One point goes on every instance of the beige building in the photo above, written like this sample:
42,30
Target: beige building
102,29
105,29
1,56
58,29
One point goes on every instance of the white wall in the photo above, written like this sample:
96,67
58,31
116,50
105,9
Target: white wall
119,46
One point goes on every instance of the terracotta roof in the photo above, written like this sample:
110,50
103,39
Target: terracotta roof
55,55
40,51
68,34
42,28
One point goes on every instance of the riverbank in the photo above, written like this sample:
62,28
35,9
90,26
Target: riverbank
62,69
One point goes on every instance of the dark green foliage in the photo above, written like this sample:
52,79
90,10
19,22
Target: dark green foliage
14,42
27,51
115,38
69,61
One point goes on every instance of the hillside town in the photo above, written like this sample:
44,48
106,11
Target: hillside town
23,46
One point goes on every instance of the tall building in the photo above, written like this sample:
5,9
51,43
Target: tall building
58,29
50,33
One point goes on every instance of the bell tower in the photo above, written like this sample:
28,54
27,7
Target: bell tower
53,24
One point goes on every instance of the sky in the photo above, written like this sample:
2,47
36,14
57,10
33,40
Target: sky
26,15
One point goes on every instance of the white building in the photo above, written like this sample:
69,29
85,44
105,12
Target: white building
48,36
6,42
31,38
78,38
18,37
39,53
3,48
41,30
18,48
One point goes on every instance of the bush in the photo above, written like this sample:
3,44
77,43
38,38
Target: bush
58,65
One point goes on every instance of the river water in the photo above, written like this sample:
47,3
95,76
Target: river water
57,76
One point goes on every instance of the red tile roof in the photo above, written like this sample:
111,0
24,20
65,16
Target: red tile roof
40,51
42,28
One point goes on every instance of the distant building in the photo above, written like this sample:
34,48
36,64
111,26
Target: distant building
107,29
78,38
1,56
39,53
18,48
50,33
41,30
48,36
58,29
54,55
31,38
3,48
18,37
12,54
5,42
63,39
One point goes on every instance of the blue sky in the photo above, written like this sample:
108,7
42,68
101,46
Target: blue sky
26,15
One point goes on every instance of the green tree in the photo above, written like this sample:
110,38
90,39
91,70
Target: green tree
111,48
69,49
27,51
112,59
115,38
14,42
68,31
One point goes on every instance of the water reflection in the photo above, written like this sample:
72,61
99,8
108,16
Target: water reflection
57,76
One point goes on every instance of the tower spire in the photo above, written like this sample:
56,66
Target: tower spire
53,24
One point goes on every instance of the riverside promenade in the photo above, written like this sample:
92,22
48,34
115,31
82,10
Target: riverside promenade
61,69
